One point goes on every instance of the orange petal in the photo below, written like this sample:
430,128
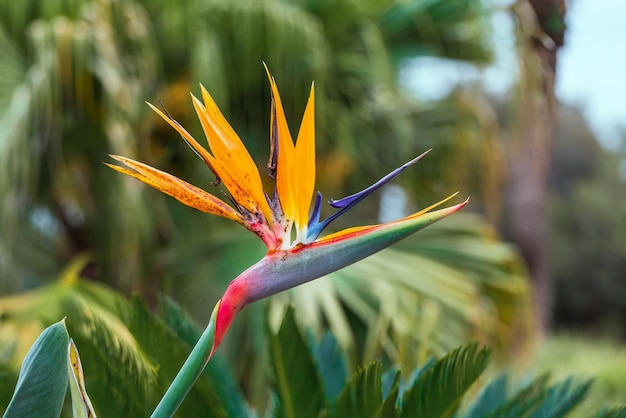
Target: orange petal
203,153
285,161
305,163
184,192
232,156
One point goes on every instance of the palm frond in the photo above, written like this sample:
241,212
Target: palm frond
534,400
452,29
438,391
129,356
362,396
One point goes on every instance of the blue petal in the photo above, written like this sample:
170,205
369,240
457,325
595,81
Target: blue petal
316,227
317,209
357,197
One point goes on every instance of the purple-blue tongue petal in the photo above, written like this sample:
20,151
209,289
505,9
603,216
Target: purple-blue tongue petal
349,201
316,227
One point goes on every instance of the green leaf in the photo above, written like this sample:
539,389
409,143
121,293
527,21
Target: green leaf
534,401
524,402
362,396
131,355
217,370
161,346
388,409
490,398
438,390
42,382
561,399
331,364
298,385
81,404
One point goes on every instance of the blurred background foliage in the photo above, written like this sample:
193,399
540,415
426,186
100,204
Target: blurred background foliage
75,75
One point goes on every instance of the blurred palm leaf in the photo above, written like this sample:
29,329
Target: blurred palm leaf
129,355
75,99
77,73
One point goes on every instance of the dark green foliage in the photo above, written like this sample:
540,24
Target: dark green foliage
459,369
407,21
434,390
587,229
297,383
331,363
362,396
8,377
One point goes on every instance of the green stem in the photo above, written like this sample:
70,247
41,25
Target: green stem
189,373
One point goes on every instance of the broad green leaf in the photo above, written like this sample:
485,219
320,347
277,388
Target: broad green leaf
438,390
42,382
362,396
297,382
81,404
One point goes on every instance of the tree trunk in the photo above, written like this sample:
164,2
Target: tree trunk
528,152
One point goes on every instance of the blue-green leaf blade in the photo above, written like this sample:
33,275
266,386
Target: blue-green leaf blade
42,383
332,365
561,399
490,398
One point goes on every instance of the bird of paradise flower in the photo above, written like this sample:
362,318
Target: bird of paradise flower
293,257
